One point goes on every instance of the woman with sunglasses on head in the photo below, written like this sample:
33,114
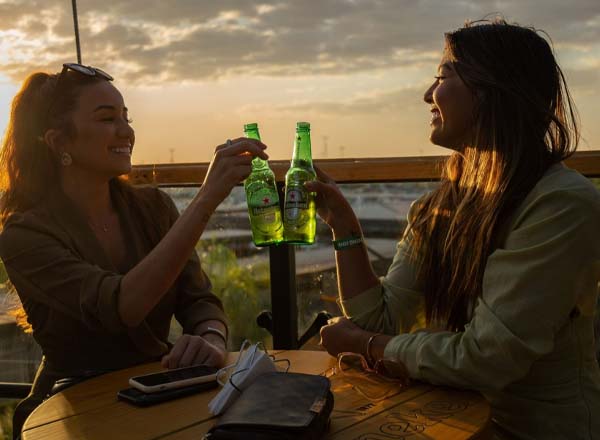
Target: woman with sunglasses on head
494,283
100,266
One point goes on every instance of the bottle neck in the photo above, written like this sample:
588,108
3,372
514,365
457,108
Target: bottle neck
302,150
257,162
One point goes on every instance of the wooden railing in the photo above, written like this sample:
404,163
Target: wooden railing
387,169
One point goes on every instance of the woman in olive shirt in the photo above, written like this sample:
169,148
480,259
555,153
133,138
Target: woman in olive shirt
100,266
494,284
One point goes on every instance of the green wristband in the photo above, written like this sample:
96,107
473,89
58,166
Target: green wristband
345,243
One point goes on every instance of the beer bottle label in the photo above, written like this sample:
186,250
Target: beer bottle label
296,203
264,205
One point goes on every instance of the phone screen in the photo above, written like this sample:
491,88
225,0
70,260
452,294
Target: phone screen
175,375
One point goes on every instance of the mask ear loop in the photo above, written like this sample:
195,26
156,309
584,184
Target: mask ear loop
256,348
272,356
287,361
260,345
235,387
226,368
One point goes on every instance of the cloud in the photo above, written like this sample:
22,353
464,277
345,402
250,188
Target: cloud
399,101
145,41
585,81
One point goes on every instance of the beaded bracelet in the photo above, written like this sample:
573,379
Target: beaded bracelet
345,243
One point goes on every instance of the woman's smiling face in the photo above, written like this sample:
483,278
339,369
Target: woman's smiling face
103,139
452,106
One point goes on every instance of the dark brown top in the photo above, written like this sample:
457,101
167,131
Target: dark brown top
69,287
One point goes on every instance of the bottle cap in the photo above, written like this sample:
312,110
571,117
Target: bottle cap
302,125
251,126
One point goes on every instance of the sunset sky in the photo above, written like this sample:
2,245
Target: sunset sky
194,71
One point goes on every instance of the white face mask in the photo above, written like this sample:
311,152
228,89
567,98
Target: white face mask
252,362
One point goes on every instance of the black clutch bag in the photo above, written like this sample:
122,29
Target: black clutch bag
282,406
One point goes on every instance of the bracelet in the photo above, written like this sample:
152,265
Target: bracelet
370,358
214,331
345,243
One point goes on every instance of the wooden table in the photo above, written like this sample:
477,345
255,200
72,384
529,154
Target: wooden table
90,410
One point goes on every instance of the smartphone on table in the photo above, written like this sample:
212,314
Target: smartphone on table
139,398
172,379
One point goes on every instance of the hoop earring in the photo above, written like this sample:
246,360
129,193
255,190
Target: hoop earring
66,159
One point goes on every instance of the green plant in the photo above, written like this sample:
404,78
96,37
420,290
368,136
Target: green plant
244,290
7,410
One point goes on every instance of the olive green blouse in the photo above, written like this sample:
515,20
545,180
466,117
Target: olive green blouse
529,346
69,288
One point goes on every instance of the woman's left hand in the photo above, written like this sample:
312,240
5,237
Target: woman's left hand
340,334
193,350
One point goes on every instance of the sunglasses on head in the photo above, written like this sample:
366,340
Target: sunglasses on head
86,70
75,67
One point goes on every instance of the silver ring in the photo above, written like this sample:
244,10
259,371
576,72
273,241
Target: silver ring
228,142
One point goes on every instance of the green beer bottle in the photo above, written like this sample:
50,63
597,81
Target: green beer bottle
299,214
262,198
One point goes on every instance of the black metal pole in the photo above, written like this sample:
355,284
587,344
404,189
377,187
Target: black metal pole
284,308
76,26
283,297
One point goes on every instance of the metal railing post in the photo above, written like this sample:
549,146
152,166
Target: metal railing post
283,297
284,308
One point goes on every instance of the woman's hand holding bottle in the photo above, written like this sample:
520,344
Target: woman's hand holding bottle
332,206
230,165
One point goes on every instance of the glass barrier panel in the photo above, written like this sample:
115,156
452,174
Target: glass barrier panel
238,270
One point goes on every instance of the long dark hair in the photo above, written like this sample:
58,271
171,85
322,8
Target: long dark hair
524,121
28,166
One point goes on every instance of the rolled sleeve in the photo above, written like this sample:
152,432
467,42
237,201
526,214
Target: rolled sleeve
394,305
99,301
195,301
385,308
360,307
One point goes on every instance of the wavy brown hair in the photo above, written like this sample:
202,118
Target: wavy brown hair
28,167
524,121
